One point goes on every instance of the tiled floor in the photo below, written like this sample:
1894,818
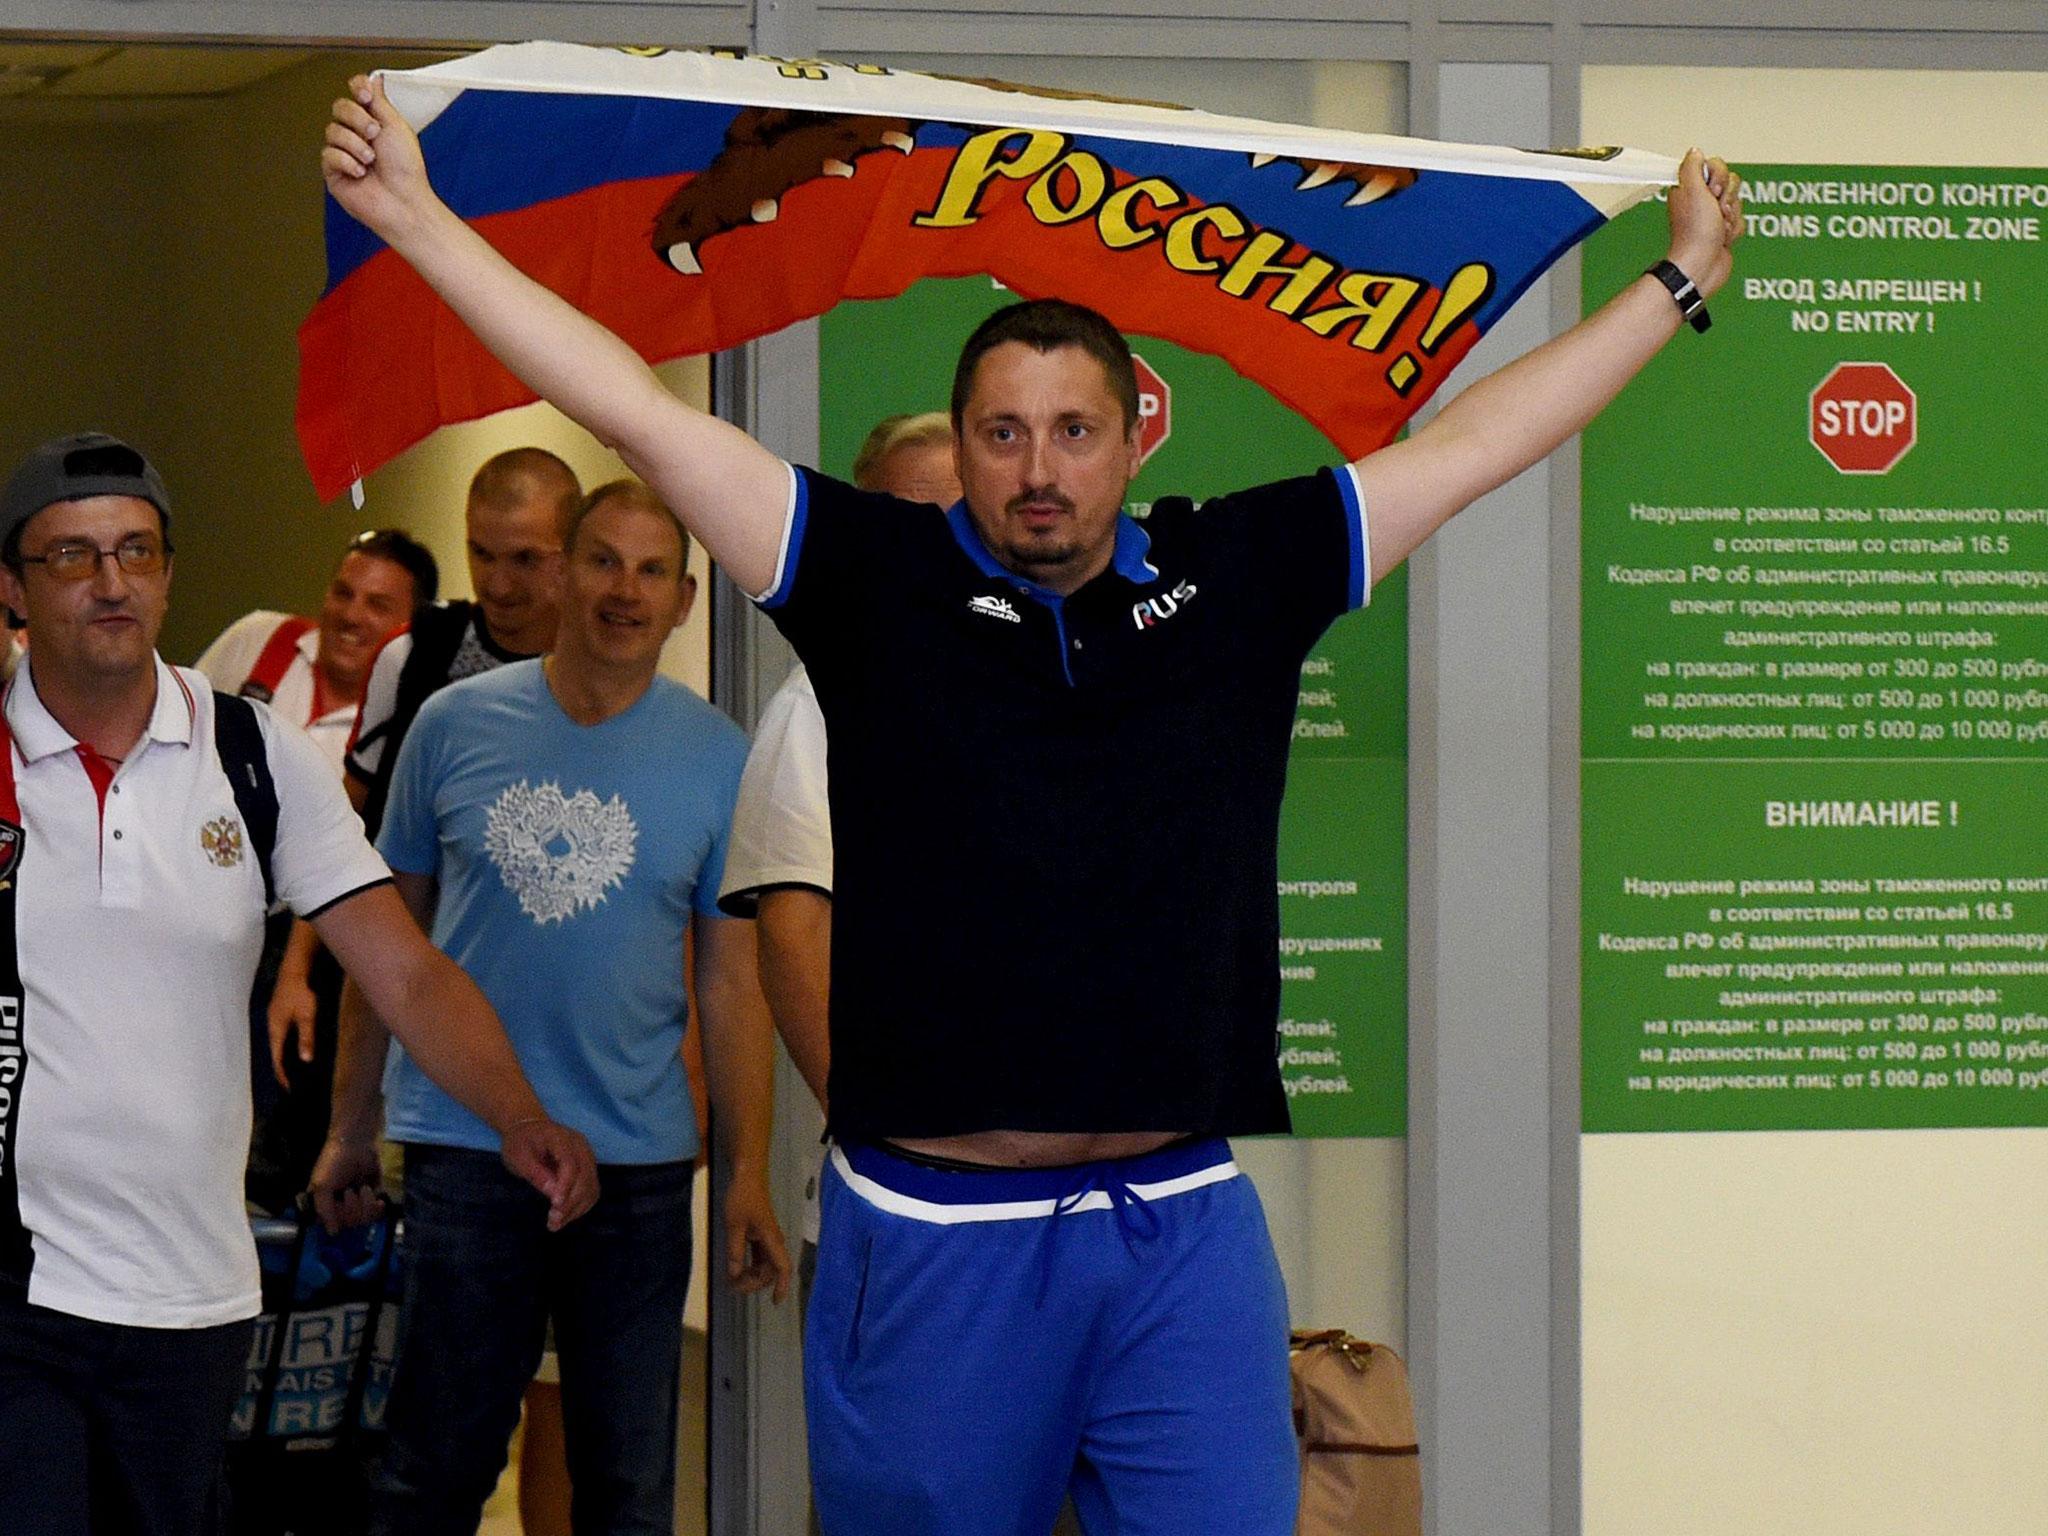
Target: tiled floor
501,1515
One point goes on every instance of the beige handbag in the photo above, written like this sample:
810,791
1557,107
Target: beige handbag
1361,1470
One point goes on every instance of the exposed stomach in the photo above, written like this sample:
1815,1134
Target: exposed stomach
1036,1149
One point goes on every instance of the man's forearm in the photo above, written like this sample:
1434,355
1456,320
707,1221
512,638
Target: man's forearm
444,1022
299,948
361,1045
739,1061
1512,419
1521,414
449,1029
795,930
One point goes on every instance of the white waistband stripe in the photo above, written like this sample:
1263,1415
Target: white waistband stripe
899,1204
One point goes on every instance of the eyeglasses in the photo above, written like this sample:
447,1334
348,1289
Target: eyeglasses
79,559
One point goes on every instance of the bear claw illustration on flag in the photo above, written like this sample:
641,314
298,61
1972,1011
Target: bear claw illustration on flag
695,201
768,153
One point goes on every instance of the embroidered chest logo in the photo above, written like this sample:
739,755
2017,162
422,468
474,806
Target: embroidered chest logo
559,854
1156,610
221,841
10,851
995,608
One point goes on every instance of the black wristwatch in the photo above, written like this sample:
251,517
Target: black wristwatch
1684,292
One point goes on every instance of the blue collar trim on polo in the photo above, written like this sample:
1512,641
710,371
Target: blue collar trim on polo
1130,558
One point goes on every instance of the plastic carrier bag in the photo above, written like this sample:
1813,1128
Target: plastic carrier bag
1361,1470
312,1415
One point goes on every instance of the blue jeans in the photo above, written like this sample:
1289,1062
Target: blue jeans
483,1276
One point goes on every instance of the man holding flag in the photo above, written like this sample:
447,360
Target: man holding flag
1053,987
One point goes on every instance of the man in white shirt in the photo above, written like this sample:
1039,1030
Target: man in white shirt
312,671
134,875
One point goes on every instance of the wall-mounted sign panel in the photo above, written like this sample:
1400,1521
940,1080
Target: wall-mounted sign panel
1815,671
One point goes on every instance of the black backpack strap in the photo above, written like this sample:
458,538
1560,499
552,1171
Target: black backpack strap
436,636
238,736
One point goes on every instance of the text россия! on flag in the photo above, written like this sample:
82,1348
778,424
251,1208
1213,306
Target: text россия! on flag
695,201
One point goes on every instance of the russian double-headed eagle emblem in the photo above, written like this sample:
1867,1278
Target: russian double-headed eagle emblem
221,840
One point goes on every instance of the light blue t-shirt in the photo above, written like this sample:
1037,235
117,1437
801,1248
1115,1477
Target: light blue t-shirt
570,860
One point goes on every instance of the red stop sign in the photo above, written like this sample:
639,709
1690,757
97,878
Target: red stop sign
1155,409
1862,418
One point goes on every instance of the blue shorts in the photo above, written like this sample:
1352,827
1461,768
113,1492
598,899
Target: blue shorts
982,1342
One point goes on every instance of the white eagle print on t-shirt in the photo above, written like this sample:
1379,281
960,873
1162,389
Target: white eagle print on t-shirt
559,854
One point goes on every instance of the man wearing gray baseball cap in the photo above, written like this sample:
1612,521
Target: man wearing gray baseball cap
146,824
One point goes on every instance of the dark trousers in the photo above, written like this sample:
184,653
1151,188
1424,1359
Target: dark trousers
109,1430
291,1124
483,1277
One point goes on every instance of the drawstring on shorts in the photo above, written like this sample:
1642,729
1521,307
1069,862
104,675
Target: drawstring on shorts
1134,1216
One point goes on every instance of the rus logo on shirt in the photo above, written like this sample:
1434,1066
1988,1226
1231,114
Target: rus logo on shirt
221,839
10,850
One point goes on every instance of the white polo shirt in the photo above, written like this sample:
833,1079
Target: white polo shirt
139,919
782,824
233,655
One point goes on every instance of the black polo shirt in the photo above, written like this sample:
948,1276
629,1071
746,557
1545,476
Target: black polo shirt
1055,820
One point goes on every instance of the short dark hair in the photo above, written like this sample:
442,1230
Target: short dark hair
519,475
633,493
405,552
1044,325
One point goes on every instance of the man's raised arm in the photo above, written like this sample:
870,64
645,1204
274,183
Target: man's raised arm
731,492
1510,419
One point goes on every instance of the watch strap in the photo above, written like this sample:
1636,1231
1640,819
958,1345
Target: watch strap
1684,292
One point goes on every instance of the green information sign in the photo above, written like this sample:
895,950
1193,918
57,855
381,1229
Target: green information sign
1343,837
1815,671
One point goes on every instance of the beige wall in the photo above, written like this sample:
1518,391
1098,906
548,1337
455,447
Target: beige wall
240,248
1823,1333
82,295
1820,116
152,278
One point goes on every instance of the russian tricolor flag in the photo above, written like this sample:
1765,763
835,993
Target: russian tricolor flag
695,201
